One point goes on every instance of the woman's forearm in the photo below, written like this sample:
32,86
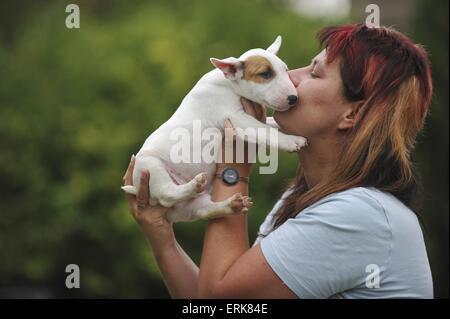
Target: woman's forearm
179,272
226,239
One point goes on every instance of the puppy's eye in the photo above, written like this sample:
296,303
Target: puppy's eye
266,75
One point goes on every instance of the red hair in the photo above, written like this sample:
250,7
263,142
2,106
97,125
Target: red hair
377,61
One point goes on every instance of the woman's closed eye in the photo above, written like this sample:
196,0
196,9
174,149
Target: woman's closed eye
313,73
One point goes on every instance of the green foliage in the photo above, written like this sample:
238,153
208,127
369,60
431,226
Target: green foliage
75,104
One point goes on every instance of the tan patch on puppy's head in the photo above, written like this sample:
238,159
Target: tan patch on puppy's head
258,69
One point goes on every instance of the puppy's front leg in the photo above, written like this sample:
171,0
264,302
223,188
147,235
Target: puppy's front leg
247,130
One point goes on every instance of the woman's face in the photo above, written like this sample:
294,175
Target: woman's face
322,108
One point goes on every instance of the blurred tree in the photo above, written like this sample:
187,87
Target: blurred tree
76,103
430,28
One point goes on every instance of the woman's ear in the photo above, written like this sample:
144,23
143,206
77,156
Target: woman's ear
351,116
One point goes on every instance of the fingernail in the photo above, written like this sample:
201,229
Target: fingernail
132,157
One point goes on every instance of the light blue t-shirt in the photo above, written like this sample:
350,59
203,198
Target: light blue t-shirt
358,243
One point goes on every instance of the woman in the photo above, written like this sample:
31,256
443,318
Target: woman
346,227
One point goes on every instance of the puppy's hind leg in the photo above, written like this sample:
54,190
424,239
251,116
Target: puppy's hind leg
163,189
202,207
234,204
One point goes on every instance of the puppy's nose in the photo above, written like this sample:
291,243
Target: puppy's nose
292,99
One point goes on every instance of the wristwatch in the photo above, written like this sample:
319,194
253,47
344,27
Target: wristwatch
230,176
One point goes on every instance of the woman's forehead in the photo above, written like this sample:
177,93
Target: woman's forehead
322,56
321,59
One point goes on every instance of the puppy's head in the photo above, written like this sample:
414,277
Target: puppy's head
261,76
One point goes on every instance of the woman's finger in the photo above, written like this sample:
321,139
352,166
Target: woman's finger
264,113
128,177
249,107
128,180
260,113
254,109
228,125
143,194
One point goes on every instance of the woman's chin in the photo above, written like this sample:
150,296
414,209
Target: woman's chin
276,117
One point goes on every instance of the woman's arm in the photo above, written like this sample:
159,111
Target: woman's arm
179,272
229,267
226,239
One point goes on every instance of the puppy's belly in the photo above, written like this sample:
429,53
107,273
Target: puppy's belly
184,172
169,151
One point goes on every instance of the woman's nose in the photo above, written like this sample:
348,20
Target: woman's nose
293,75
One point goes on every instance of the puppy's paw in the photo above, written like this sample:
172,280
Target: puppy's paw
292,143
301,142
240,203
200,182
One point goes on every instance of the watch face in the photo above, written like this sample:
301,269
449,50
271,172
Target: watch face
230,176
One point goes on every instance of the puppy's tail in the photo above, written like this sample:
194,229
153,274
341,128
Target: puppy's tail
130,189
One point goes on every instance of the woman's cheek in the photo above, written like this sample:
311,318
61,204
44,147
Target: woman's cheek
314,110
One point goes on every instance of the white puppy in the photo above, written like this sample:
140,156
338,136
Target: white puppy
258,75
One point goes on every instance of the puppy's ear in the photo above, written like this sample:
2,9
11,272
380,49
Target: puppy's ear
275,46
232,68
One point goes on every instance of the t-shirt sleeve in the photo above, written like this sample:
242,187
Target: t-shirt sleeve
327,248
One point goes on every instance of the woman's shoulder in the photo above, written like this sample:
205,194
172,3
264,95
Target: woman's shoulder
359,207
352,204
367,206
372,196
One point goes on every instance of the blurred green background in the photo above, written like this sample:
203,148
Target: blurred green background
76,103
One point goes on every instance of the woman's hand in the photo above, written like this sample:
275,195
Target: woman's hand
258,112
152,219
